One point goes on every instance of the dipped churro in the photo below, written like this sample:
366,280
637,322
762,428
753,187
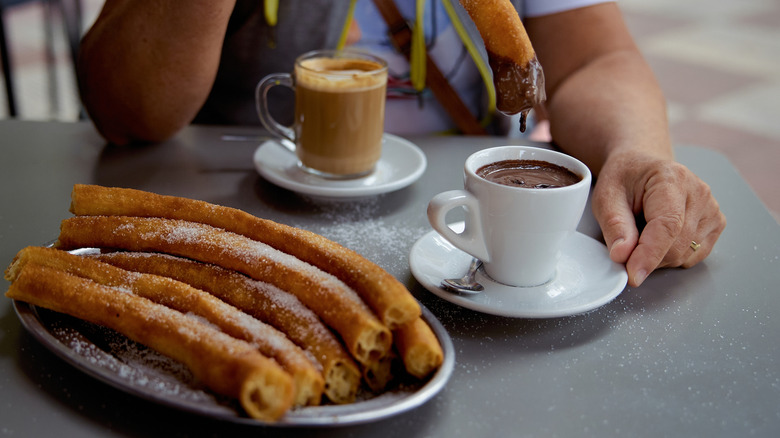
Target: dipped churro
517,74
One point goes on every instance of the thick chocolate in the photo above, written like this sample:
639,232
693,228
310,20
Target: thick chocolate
518,88
531,174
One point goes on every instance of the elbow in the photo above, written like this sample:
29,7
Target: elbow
121,123
120,132
123,116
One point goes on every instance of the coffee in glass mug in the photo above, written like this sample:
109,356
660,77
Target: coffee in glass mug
339,111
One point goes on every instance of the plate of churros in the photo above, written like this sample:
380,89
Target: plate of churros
135,369
215,311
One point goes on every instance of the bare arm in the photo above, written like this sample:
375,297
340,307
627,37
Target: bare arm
595,78
606,108
146,67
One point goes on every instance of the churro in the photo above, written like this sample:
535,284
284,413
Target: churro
378,375
387,297
419,348
227,365
366,338
189,300
517,73
266,302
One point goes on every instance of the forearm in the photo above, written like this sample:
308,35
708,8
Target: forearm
602,96
609,106
145,68
606,108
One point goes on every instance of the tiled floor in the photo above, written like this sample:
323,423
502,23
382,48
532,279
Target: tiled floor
41,93
719,65
718,62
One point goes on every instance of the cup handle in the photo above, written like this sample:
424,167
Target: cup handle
472,239
285,133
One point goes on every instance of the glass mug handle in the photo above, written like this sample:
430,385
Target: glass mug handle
472,239
285,133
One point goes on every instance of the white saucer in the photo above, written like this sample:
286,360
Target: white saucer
401,164
586,279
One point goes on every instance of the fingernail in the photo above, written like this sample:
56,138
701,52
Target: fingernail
640,276
615,243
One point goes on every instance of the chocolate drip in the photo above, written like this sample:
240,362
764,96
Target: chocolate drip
523,116
518,88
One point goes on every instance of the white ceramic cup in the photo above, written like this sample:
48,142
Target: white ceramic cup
516,232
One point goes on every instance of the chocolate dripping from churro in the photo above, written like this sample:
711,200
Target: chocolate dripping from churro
518,88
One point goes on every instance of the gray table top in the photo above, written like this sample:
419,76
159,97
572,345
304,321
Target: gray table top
691,352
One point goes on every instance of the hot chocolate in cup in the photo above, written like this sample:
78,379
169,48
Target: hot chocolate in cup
339,111
520,203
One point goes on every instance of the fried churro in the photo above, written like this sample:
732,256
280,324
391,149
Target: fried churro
227,365
517,73
335,303
419,348
189,300
387,297
263,301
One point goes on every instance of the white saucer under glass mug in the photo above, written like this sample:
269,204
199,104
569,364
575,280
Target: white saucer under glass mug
517,232
339,111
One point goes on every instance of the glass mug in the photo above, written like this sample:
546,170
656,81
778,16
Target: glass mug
339,111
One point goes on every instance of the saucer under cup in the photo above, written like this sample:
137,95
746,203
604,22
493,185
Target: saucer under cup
585,279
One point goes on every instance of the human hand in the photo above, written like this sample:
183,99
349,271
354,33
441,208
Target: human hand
678,208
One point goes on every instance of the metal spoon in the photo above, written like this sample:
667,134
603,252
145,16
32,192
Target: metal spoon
465,284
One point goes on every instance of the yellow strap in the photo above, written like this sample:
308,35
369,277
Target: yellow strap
417,57
347,24
482,67
271,12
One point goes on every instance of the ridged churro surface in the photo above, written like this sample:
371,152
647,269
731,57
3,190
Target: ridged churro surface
225,364
271,315
264,301
389,299
336,304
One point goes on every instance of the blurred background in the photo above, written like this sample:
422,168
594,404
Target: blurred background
718,63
